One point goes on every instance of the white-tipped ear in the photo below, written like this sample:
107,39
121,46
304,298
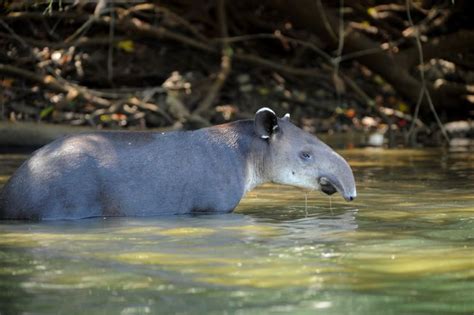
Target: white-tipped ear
265,109
287,116
266,123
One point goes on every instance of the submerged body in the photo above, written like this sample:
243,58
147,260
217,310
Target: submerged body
145,173
127,174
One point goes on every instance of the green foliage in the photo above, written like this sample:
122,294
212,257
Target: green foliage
45,112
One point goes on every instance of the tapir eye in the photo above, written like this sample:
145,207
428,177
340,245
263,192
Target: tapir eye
305,156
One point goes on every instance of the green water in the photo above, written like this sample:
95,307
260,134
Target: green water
406,246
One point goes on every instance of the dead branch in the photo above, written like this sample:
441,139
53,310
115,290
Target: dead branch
326,24
29,134
52,83
384,64
226,62
307,72
399,8
99,9
422,74
439,47
383,25
280,37
140,28
81,42
170,14
12,16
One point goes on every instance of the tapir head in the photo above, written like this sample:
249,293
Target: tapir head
295,157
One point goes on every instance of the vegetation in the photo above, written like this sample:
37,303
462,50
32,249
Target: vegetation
405,67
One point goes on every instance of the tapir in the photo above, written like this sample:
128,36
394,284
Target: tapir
122,173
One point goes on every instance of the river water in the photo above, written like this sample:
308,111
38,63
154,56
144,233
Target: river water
405,246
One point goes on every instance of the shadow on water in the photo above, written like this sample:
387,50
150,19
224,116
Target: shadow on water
404,246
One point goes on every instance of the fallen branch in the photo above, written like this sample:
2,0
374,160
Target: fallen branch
137,27
31,134
12,16
52,83
59,84
81,42
439,47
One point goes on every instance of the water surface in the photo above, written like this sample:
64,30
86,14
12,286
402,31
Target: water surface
404,247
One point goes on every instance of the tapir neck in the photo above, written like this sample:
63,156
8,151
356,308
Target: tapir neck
241,138
255,172
256,168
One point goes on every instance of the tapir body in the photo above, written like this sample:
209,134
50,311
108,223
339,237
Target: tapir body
149,173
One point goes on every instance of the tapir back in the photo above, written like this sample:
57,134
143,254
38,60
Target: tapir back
130,174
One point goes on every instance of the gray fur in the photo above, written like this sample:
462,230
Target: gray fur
145,173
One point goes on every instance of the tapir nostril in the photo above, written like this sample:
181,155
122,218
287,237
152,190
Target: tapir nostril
330,185
350,197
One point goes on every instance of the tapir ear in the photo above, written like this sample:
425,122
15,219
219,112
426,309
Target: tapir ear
286,117
266,122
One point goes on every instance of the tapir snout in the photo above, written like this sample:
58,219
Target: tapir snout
147,173
338,178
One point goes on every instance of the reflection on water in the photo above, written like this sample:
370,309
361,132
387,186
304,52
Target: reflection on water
404,247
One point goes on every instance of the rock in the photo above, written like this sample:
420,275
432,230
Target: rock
376,139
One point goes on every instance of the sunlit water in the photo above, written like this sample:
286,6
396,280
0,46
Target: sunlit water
406,246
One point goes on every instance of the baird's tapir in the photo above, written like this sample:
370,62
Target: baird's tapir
105,174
